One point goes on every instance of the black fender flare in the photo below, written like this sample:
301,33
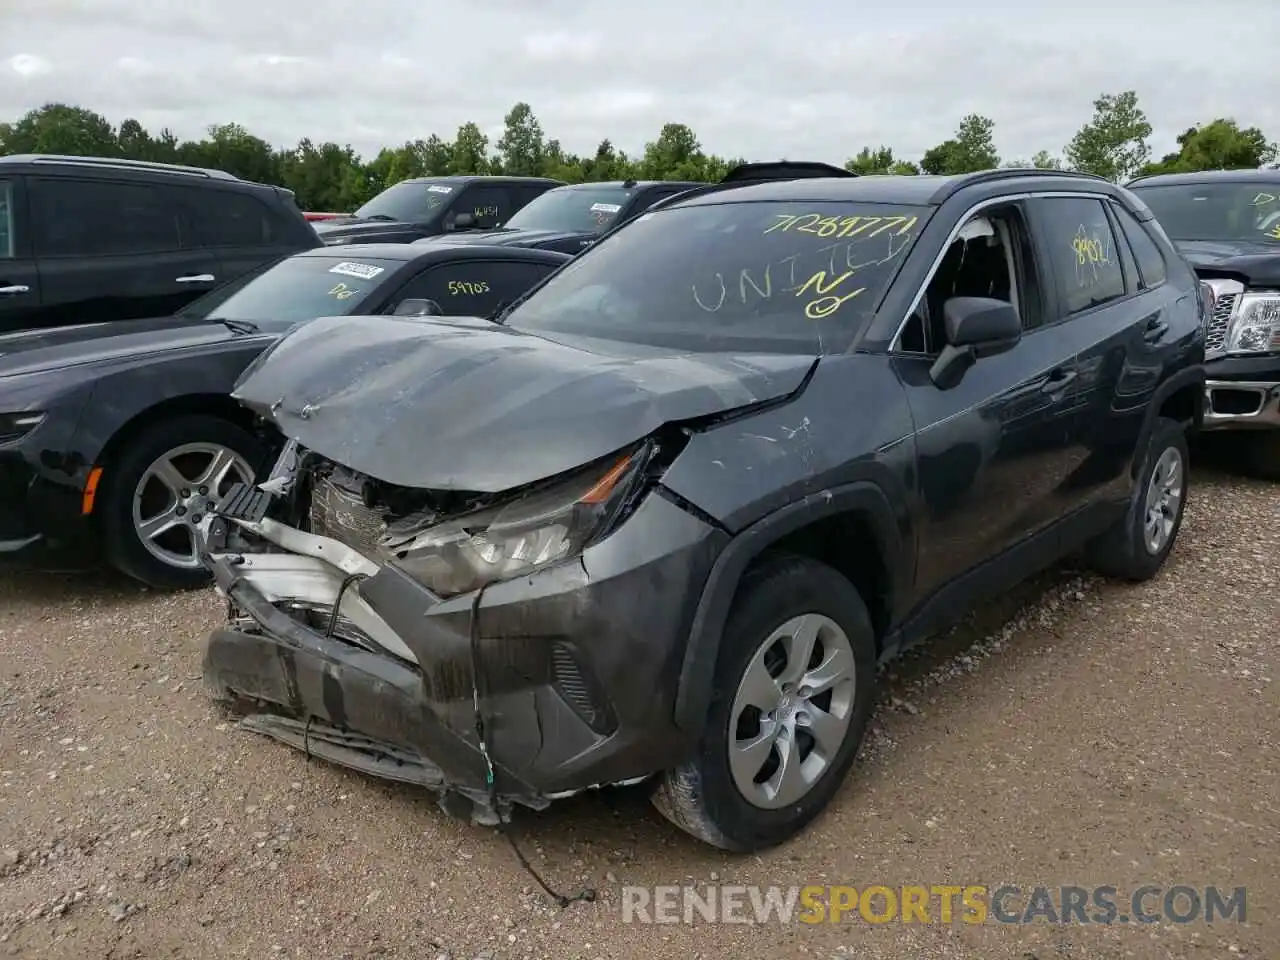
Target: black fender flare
697,672
1191,376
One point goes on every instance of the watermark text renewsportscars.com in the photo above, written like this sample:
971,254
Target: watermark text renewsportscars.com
936,903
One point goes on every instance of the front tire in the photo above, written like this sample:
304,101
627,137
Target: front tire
794,685
1262,454
159,487
1137,546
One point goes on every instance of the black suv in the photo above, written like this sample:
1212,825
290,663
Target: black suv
664,516
89,239
569,219
1227,224
430,206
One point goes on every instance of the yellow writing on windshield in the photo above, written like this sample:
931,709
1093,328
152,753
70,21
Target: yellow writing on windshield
1272,232
489,211
469,287
839,227
1263,199
341,291
827,302
803,272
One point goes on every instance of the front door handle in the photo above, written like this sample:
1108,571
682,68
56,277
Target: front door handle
1059,380
15,290
196,278
1155,329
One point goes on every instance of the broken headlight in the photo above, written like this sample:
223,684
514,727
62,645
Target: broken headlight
517,537
1256,326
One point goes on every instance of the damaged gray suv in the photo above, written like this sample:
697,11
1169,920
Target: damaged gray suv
660,519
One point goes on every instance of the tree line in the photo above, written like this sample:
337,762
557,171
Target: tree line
1114,144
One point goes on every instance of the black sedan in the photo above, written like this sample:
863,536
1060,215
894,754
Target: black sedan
115,438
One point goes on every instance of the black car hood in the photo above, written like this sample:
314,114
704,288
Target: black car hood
363,231
515,238
40,351
464,404
1258,263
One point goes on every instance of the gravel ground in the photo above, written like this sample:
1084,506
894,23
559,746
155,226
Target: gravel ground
1080,732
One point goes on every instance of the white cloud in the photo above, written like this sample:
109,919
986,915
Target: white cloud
812,78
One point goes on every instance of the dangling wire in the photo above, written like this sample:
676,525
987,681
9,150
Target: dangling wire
587,894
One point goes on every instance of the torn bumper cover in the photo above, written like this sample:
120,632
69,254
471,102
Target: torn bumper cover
357,663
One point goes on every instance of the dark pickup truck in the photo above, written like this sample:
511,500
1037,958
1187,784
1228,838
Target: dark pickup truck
430,206
1227,224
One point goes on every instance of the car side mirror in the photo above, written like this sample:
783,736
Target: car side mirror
417,308
464,221
976,327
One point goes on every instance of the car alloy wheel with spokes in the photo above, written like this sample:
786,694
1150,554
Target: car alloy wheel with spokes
792,711
176,492
1163,501
159,482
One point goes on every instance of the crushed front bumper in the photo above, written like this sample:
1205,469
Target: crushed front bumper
577,662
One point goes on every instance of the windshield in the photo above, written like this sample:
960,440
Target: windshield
297,288
411,201
575,210
1232,211
793,277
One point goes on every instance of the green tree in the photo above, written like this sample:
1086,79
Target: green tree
61,128
521,146
970,150
879,162
675,155
1220,145
1114,143
232,148
470,151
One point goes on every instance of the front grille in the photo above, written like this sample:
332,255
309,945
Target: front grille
1216,337
340,513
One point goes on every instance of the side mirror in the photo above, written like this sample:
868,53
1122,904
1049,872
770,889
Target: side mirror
976,327
464,221
417,308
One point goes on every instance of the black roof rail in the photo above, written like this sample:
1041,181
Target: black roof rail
783,170
747,174
118,164
959,182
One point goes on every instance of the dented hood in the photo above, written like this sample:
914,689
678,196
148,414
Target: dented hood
465,404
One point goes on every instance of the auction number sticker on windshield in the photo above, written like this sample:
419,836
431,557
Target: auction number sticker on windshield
439,188
365,271
605,208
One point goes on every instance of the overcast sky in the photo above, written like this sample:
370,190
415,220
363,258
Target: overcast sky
802,79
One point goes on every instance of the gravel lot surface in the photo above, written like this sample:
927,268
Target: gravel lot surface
1080,733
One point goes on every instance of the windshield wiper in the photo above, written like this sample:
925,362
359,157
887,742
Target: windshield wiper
379,216
237,326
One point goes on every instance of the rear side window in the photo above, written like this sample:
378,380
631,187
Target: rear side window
86,218
1082,252
473,287
1151,266
230,218
6,220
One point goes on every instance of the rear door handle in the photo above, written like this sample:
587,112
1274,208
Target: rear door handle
15,290
1155,329
1059,380
196,278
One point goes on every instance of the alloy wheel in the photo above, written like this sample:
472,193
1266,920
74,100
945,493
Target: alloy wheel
1163,501
176,492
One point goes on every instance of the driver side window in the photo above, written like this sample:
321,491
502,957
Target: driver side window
990,257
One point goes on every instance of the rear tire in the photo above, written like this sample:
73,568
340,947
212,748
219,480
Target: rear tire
1137,546
157,478
781,607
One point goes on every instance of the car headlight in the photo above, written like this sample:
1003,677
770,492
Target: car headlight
518,537
15,426
1256,325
